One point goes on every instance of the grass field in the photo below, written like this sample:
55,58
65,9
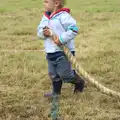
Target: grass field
23,75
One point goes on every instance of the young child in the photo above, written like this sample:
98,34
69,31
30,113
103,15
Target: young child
57,28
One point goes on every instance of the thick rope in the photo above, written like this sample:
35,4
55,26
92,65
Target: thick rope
82,72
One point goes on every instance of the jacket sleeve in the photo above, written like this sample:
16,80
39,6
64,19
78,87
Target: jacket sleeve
40,29
71,30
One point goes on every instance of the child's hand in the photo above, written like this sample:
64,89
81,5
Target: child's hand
46,32
56,40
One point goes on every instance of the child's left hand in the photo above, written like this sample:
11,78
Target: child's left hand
56,40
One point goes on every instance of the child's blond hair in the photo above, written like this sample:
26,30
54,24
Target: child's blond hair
62,2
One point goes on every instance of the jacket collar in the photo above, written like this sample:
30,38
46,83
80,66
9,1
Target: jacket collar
49,15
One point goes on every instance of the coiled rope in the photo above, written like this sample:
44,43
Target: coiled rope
84,74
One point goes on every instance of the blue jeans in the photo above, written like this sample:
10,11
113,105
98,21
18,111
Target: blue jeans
60,69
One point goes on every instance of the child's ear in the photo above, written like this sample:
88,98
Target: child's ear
57,3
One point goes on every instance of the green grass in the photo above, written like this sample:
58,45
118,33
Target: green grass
23,75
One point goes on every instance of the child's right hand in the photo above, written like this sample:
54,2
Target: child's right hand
55,38
46,31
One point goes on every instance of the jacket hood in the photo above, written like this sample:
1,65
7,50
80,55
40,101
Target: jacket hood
49,16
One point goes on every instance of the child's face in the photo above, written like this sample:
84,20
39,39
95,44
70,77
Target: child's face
49,5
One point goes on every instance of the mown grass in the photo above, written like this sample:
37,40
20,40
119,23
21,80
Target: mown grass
23,75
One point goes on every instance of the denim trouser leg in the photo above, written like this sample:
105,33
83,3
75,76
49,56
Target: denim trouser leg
60,69
64,69
56,81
